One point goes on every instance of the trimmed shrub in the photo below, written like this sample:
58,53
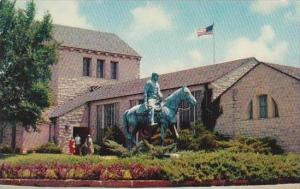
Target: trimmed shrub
49,148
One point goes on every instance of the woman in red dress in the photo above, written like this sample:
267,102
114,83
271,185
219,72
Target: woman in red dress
72,146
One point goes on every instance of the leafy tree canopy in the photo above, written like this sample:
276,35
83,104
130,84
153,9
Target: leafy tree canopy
27,49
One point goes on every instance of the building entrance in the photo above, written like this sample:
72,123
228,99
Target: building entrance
82,132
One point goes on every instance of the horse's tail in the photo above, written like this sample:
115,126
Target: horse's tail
126,125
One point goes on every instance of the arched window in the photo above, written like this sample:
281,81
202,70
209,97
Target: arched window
275,108
250,110
263,106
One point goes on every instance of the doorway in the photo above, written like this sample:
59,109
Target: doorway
82,132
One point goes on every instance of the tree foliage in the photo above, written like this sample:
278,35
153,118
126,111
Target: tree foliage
27,49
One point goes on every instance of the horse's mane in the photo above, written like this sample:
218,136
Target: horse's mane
170,98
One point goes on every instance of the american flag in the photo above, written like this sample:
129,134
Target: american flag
205,31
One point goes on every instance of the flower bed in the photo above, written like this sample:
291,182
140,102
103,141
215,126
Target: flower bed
200,167
80,171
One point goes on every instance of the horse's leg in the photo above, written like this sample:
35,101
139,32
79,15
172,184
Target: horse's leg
134,135
162,134
174,131
174,134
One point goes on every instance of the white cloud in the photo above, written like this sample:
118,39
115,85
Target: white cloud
294,15
196,56
267,6
63,12
265,47
147,20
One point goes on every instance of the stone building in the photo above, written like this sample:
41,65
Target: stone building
244,97
87,60
97,78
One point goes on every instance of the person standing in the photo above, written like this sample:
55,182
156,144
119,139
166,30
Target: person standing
78,144
72,147
90,145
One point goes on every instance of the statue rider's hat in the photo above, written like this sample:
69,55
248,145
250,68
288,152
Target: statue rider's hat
154,74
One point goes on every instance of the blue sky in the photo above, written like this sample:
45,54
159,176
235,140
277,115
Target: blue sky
164,32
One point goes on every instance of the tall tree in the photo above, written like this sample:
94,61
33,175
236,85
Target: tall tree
27,50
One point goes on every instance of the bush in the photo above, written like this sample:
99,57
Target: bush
113,148
227,165
198,138
198,166
9,150
97,148
111,134
115,134
6,150
248,144
49,148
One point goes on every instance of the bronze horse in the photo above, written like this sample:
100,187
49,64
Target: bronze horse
136,117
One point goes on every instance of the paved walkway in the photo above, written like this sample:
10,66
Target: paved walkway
279,186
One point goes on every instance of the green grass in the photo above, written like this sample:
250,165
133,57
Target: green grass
52,159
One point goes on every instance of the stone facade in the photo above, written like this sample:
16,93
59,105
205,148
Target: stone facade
64,125
67,75
67,82
256,79
263,80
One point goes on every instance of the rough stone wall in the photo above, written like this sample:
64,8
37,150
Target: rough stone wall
67,80
263,80
65,124
69,88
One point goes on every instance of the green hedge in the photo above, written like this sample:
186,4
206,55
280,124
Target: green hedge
49,148
199,166
9,150
199,138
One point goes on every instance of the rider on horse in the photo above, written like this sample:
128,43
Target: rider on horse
152,97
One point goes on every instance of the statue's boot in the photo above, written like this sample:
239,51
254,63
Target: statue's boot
153,124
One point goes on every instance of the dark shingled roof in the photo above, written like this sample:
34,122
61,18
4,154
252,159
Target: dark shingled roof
194,76
92,40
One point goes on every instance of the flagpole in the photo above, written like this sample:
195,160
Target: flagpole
214,45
